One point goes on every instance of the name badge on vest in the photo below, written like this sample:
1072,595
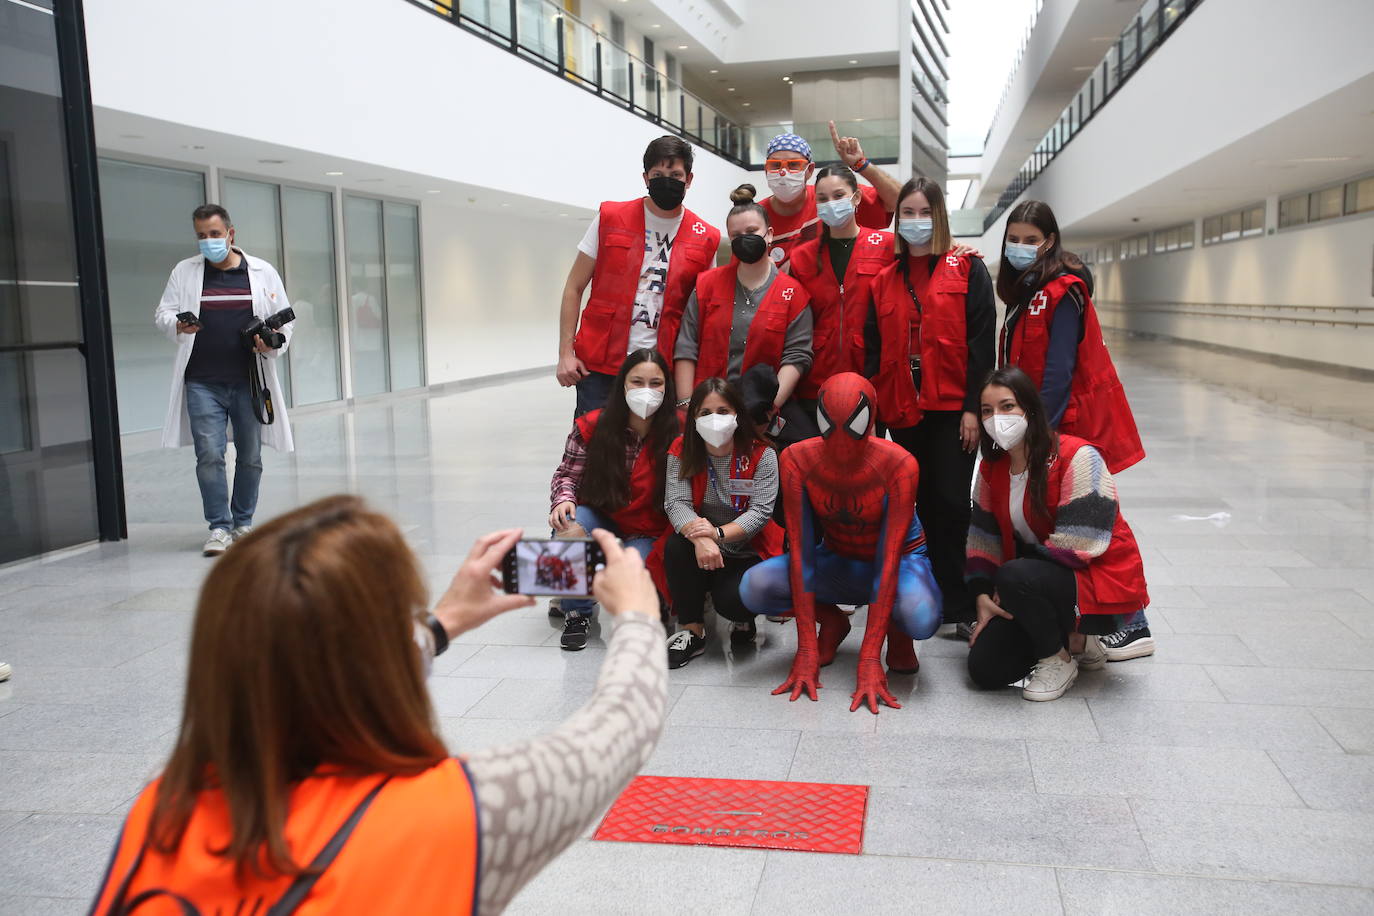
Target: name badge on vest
741,487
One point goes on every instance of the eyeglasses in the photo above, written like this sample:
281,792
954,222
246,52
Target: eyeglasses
779,166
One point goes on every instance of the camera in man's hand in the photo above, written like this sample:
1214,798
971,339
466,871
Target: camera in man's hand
269,329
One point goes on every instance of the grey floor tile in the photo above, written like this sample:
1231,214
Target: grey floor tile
466,736
454,696
1295,686
933,763
73,783
1329,577
119,729
988,826
1197,649
1353,728
1216,576
1203,556
1242,621
52,650
512,698
1205,774
845,885
453,658
57,855
644,878
44,906
1143,680
1302,649
1001,714
514,630
544,663
723,753
1332,782
755,707
1249,841
1169,723
1279,599
1089,892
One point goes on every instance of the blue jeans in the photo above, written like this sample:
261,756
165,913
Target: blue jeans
767,588
590,520
592,392
213,407
1135,621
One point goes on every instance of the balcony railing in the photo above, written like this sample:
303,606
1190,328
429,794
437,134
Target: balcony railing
550,37
1155,22
880,138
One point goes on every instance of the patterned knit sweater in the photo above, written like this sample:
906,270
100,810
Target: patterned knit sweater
1083,520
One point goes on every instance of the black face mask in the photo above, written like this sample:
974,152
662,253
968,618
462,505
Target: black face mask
749,247
667,193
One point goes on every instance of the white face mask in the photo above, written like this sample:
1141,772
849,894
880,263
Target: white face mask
788,186
644,401
1006,429
717,428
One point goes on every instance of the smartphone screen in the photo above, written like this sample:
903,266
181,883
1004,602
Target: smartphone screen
552,566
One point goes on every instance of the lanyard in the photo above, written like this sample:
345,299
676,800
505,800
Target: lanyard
915,358
740,503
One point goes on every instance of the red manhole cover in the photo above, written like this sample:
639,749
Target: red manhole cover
810,816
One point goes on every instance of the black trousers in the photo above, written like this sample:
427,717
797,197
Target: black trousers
943,502
688,583
1040,596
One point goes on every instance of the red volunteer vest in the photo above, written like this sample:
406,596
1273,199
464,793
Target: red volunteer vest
1113,583
767,331
1098,410
604,332
642,515
413,850
937,327
838,311
767,542
791,230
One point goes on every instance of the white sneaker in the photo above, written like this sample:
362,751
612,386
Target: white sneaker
218,542
1094,656
5,671
1050,678
242,531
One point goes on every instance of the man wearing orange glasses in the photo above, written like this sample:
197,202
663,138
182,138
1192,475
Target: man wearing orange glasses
788,166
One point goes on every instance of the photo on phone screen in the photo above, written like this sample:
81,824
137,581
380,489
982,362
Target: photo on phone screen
552,567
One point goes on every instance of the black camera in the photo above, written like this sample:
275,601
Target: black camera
269,329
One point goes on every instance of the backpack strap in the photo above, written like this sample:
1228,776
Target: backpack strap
305,882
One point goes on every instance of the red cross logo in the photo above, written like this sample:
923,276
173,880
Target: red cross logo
699,228
875,239
1039,302
787,295
952,260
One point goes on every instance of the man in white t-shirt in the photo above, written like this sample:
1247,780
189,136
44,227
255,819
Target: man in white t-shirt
641,258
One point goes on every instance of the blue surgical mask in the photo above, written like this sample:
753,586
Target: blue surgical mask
835,213
916,231
215,250
1022,256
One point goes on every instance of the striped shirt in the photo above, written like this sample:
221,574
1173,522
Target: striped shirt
226,305
716,507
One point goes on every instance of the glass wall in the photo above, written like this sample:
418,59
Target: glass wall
146,213
48,497
386,333
254,209
308,232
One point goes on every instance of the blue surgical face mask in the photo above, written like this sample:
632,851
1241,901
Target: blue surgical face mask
1022,256
215,250
916,231
835,213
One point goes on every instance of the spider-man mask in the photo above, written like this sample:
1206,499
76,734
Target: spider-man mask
845,414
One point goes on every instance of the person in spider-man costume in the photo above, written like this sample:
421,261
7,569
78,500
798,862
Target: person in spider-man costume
850,504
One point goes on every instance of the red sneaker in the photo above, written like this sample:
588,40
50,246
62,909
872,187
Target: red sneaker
901,651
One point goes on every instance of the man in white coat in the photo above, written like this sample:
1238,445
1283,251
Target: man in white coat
208,300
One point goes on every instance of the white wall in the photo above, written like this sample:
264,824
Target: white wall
1326,264
740,31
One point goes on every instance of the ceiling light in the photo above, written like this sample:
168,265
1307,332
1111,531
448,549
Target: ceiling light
131,136
191,146
272,161
682,47
562,214
507,205
366,180
853,61
431,191
717,71
745,104
1083,69
655,26
334,173
730,89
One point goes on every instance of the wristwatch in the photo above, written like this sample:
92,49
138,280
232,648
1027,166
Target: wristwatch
683,402
720,534
440,634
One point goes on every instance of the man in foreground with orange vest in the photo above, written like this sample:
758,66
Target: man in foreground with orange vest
641,258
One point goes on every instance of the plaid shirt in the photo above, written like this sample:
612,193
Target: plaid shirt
568,476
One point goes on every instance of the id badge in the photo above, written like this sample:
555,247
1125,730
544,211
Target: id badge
741,487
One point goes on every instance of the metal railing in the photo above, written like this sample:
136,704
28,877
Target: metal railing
880,138
549,36
1155,22
1336,316
1015,66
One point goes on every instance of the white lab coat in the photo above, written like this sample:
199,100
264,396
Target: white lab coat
183,295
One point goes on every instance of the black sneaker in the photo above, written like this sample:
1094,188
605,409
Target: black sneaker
963,630
743,634
1127,644
575,632
683,647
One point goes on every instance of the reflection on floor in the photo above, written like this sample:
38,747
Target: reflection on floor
1234,769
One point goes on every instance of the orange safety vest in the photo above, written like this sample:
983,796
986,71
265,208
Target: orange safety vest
382,845
838,309
603,336
767,333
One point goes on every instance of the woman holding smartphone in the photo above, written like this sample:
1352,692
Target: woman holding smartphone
612,472
721,487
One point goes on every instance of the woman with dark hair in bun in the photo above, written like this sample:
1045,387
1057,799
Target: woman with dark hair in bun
746,313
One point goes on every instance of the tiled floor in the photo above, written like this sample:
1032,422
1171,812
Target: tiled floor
1232,771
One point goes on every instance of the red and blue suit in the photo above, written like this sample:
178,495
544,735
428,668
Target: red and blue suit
850,503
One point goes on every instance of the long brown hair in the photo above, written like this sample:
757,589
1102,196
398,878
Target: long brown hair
940,238
1042,442
1015,287
845,174
693,459
286,620
605,481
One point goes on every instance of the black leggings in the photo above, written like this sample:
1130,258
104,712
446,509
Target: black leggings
688,583
1040,596
943,502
